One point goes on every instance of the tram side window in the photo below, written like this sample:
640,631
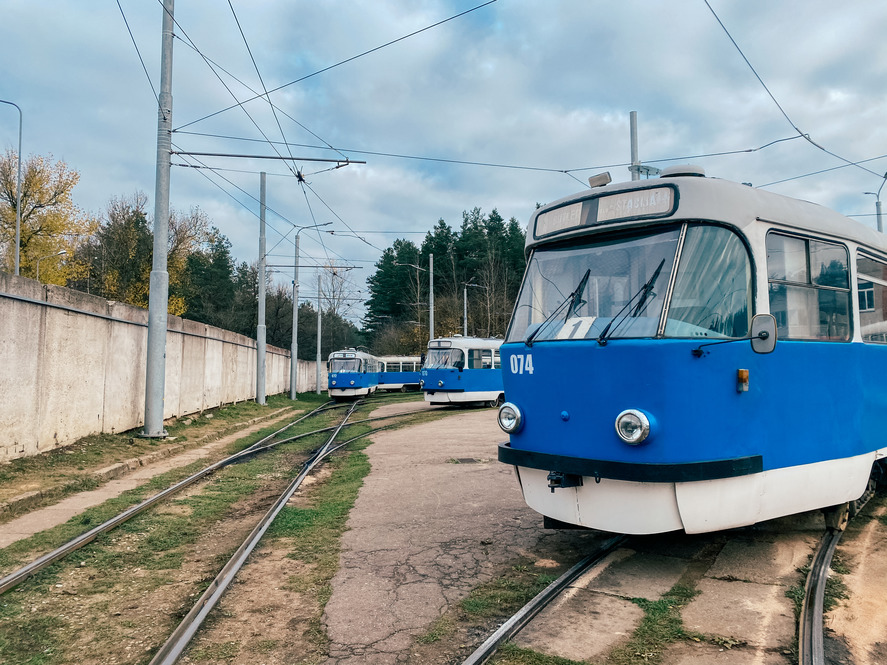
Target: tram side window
809,288
871,284
480,359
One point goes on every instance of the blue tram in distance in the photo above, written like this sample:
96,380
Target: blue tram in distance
647,391
399,373
463,370
352,373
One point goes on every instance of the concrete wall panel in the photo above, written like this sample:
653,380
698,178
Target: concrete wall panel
72,364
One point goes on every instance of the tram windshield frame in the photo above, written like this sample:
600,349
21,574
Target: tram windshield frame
338,365
444,358
625,285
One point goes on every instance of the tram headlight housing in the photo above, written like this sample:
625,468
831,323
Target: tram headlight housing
352,383
333,382
632,426
422,383
510,418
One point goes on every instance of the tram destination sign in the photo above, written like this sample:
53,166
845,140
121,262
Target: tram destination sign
646,203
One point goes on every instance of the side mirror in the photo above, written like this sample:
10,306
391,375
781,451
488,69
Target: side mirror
763,333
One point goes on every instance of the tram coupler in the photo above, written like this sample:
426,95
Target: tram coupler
558,479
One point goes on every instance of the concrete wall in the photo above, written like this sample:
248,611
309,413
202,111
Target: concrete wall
72,364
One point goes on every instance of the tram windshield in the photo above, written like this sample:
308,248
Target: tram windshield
345,365
615,288
444,358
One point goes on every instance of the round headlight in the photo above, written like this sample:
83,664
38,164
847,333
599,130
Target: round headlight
333,382
440,384
510,419
632,426
352,383
422,383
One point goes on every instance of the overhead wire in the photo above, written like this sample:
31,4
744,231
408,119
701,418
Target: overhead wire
259,74
347,60
776,102
138,53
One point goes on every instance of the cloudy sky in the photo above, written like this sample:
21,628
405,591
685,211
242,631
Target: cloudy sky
486,110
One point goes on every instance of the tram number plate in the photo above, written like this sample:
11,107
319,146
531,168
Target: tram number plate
522,364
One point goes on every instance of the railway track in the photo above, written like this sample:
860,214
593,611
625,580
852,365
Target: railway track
810,628
512,626
13,579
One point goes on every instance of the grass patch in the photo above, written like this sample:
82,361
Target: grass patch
660,627
65,471
510,654
505,594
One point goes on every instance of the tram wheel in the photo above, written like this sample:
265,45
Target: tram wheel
496,403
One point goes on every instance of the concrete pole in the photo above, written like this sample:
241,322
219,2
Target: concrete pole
430,297
635,162
318,333
878,215
294,349
18,188
465,310
158,296
260,328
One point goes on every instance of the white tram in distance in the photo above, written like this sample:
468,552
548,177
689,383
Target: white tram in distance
463,370
399,373
647,391
352,373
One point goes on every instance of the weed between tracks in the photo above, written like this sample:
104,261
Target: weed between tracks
69,470
123,593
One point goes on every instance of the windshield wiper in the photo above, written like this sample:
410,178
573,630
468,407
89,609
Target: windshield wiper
573,303
642,296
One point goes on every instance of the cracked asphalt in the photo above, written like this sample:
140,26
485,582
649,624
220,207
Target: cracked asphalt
437,516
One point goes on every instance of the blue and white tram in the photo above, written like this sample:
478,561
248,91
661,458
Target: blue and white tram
399,373
462,370
636,403
352,373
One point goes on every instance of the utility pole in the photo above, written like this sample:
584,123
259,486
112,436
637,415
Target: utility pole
318,333
158,297
260,328
294,348
430,297
18,188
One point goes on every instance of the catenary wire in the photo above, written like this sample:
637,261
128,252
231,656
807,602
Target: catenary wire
351,59
778,105
138,53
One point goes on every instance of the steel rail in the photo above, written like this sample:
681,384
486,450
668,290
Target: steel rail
511,627
810,640
178,641
17,577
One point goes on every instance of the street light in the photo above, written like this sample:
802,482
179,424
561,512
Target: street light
18,189
48,256
877,196
430,271
294,360
465,286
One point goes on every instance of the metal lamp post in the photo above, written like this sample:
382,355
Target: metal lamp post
430,271
465,286
294,361
18,189
48,256
877,196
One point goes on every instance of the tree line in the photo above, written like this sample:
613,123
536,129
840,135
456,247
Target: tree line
478,268
110,255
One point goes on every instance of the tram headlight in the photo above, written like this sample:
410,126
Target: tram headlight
422,383
333,382
440,384
352,383
632,426
510,418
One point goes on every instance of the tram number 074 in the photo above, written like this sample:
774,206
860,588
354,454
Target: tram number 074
522,364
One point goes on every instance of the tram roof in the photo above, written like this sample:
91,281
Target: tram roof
701,197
